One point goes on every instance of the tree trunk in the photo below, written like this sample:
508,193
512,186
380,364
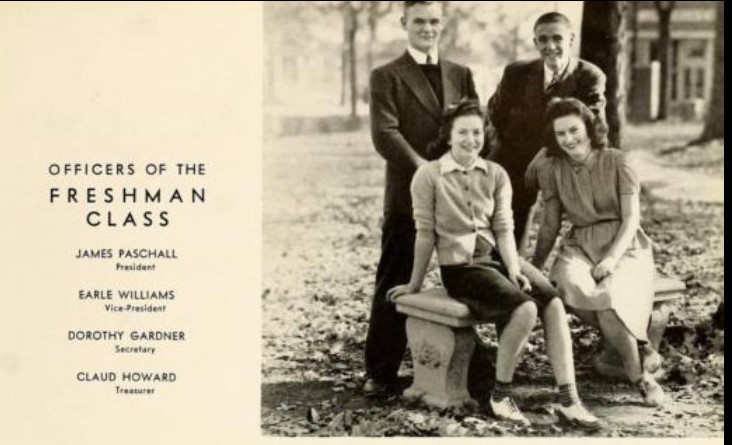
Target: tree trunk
714,127
371,44
352,63
664,10
604,39
633,23
344,57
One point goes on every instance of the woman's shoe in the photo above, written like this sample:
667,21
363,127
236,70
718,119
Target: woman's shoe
506,409
650,390
578,415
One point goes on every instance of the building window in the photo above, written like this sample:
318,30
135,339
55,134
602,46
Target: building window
696,49
674,86
687,83
700,77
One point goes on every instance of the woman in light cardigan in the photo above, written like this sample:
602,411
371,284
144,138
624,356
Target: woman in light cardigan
462,208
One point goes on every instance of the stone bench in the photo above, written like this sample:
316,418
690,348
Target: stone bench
440,335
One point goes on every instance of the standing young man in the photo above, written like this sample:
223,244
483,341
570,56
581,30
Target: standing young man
408,96
516,110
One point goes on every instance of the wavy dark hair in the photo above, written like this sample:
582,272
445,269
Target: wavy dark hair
560,107
466,107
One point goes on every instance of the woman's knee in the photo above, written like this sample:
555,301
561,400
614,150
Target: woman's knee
580,286
611,325
525,314
555,308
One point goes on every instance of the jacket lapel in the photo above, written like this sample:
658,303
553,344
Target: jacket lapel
534,87
415,79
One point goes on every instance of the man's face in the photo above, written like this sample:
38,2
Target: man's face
423,24
554,41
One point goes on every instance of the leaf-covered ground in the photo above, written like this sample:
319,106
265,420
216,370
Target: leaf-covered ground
321,237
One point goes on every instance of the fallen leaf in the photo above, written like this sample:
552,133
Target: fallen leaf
313,416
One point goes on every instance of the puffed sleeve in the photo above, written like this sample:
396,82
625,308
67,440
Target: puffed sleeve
628,183
546,179
502,220
423,200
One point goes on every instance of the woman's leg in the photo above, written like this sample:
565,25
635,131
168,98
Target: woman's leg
556,329
623,341
559,349
510,345
559,342
513,339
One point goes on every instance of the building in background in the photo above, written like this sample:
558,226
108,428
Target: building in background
691,60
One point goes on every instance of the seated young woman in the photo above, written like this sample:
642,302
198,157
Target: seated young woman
462,208
604,267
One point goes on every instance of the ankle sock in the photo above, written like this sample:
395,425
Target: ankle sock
568,394
501,390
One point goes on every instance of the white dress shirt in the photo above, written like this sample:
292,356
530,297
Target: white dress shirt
421,58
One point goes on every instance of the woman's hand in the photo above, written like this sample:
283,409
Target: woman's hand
521,281
397,291
604,268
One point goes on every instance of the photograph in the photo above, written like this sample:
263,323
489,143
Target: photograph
492,219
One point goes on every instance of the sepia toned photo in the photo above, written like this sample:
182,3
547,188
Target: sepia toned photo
493,219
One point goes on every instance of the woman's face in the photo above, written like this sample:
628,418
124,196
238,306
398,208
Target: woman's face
571,134
466,137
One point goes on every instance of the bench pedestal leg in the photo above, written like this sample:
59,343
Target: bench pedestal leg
659,320
441,357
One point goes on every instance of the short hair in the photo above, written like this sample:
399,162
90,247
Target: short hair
560,107
408,5
551,17
466,107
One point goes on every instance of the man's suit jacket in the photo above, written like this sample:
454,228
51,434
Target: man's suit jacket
516,110
406,116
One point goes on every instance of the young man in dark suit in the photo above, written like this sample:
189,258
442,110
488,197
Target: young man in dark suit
516,110
408,96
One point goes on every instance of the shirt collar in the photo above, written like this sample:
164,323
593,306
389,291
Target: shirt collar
449,164
420,57
549,73
587,164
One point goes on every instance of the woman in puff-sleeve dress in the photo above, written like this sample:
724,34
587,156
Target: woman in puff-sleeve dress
604,267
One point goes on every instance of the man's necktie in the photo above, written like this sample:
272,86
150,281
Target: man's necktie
554,81
429,60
